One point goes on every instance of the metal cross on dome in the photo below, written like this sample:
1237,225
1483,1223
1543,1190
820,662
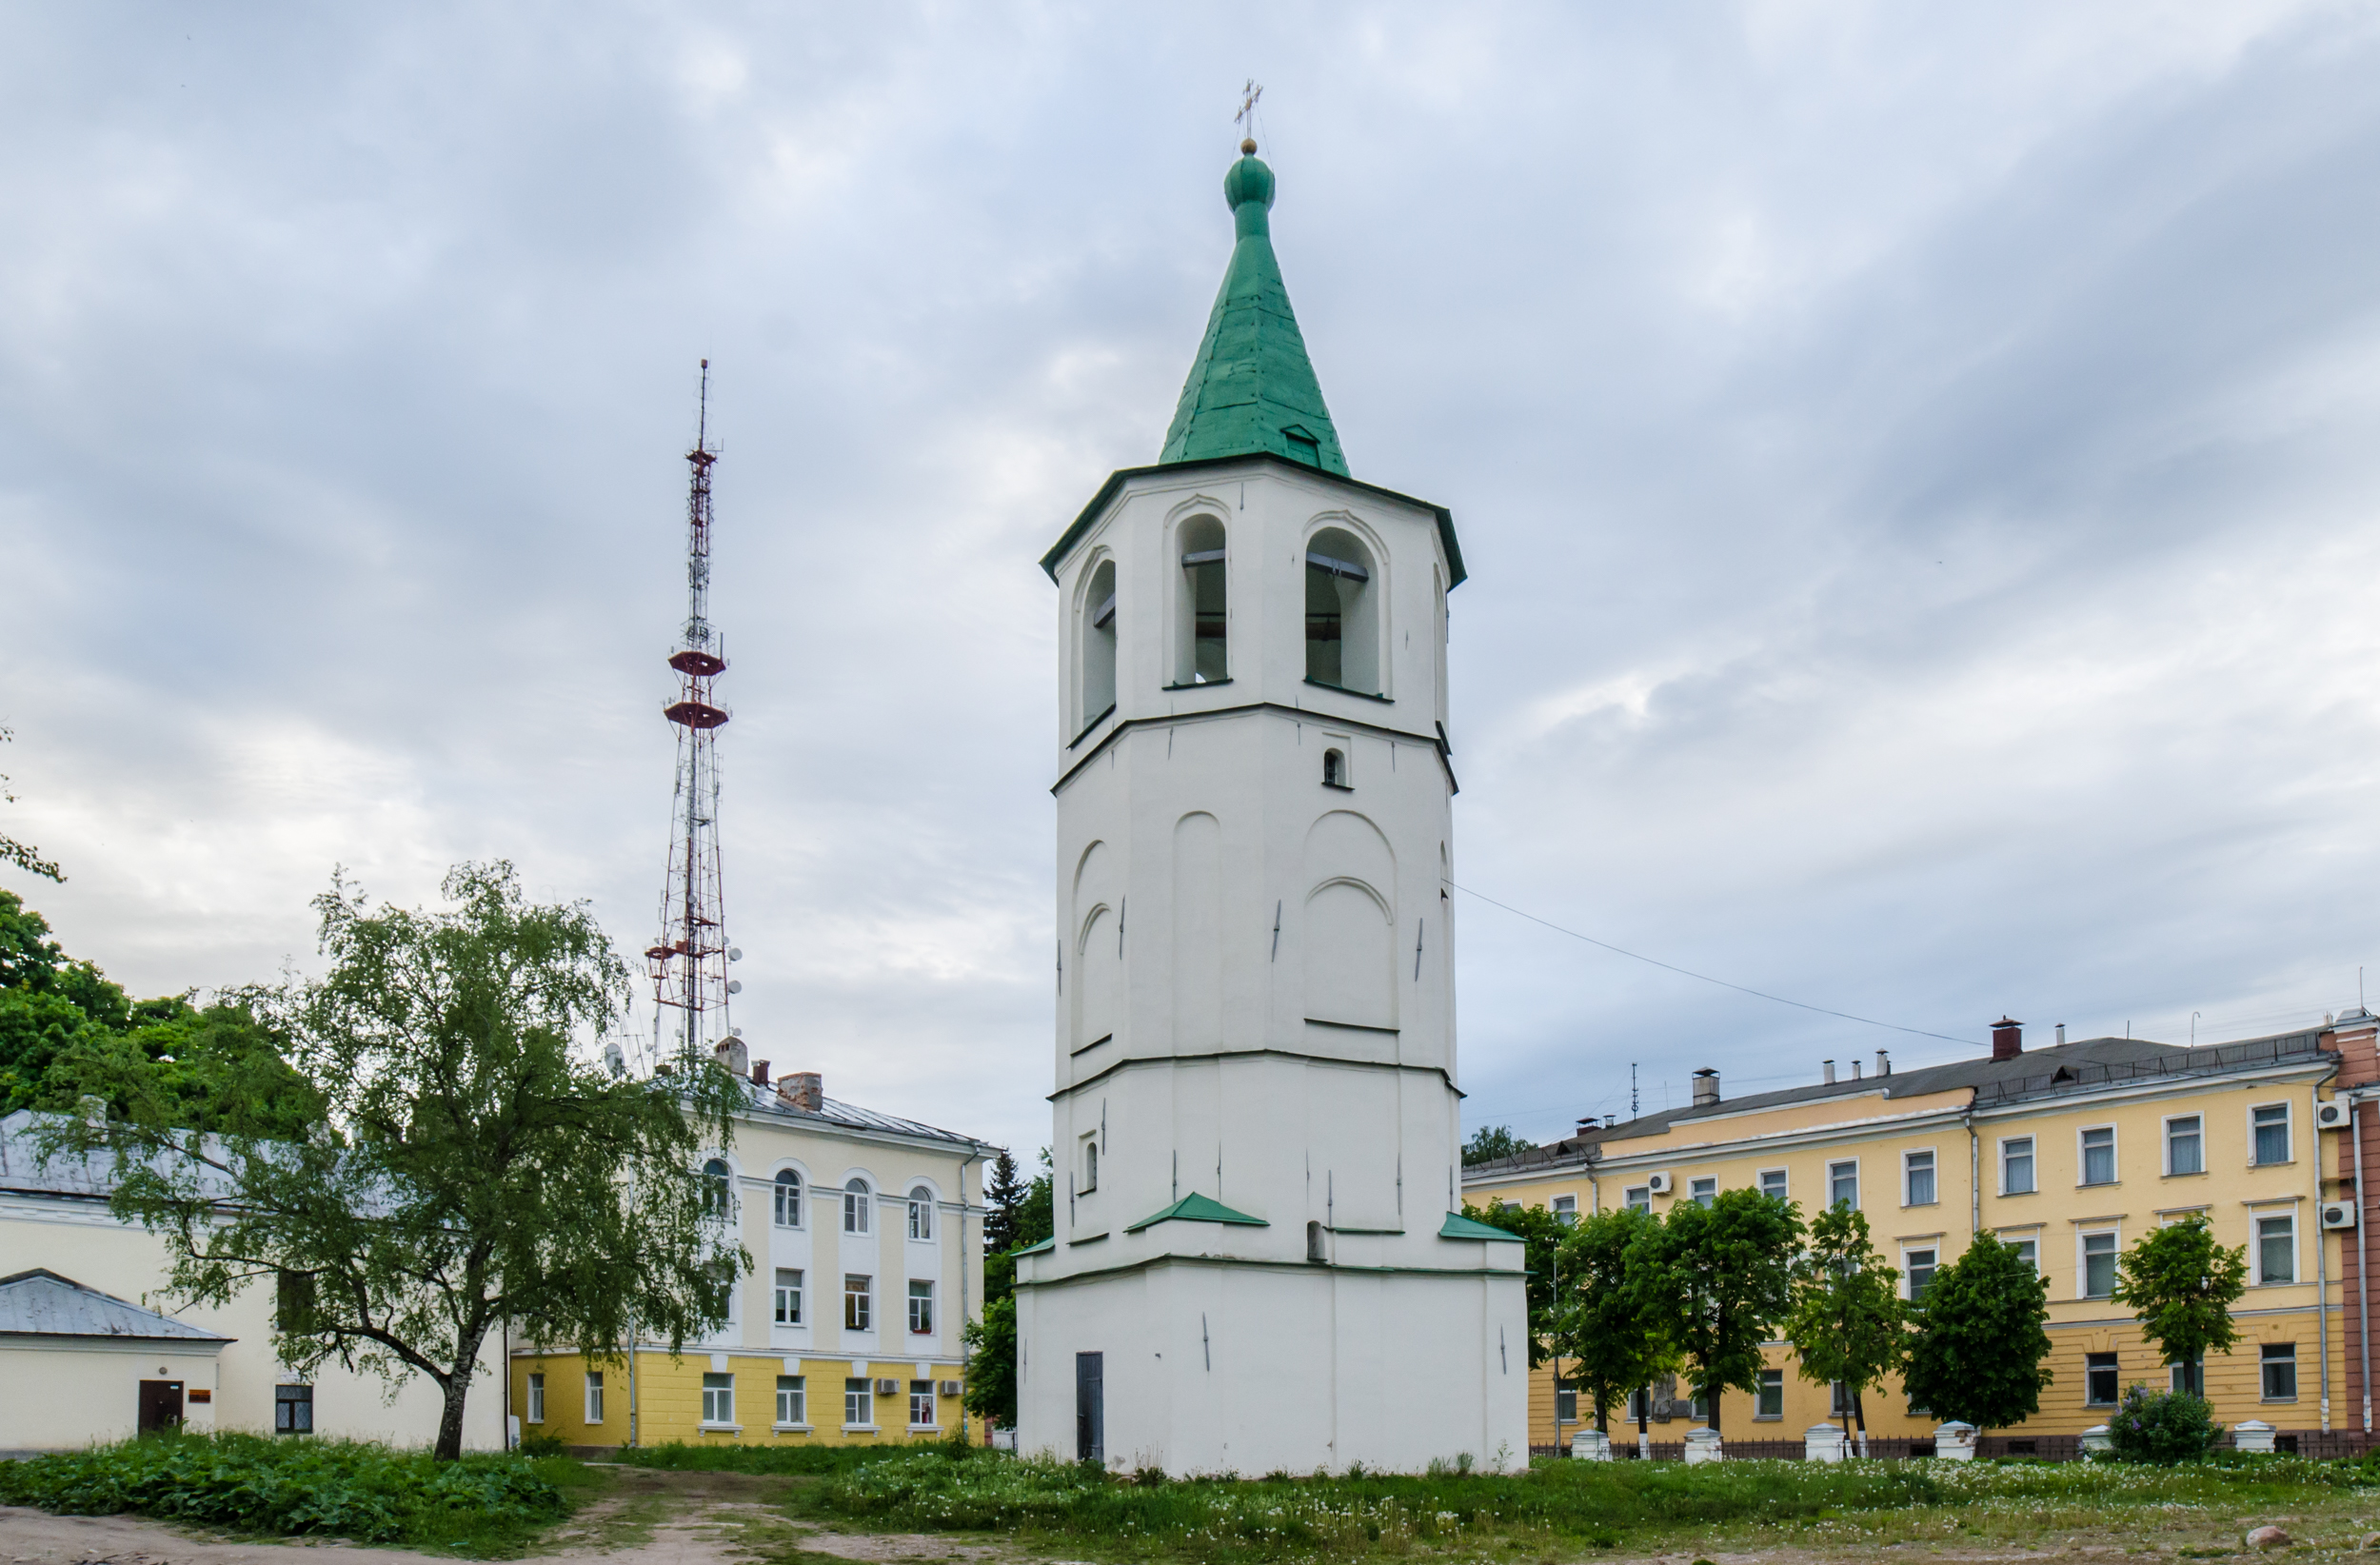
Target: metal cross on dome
1248,97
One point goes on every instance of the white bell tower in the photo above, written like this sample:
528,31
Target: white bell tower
1257,1264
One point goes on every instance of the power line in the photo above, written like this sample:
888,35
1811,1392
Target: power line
1688,972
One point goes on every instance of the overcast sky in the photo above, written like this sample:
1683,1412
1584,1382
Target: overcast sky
1917,467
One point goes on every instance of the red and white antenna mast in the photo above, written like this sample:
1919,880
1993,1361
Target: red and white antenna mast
689,962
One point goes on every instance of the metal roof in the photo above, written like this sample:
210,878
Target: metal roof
41,1303
831,1111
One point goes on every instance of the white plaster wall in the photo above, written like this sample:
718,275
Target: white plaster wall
57,1398
77,1238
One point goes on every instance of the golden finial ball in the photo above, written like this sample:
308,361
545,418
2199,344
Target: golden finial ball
1247,148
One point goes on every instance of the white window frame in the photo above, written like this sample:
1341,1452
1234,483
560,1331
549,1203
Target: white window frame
1933,1167
2289,1135
932,1418
1087,1160
537,1398
594,1407
1703,1189
925,1299
921,1213
859,1402
2082,1161
2118,1369
783,1294
1908,1282
858,1203
2033,1157
1784,1184
1637,1198
2033,1239
788,1190
1760,1388
793,1401
2082,1261
1566,1210
2257,1217
2165,1136
865,1293
2263,1394
1857,1186
721,1414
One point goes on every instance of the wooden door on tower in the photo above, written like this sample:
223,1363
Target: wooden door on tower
1090,1411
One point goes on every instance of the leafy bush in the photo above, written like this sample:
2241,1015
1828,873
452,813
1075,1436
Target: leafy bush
252,1483
2164,1426
677,1456
543,1444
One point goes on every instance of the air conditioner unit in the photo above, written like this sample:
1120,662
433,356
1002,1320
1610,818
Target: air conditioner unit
1660,1183
2338,1213
950,1388
888,1388
2331,1116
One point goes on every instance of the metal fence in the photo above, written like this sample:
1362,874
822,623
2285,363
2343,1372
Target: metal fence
2331,1445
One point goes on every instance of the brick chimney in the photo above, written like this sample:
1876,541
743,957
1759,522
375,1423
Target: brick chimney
759,1072
2008,1039
802,1089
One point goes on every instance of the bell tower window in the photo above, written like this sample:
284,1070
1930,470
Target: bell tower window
1099,644
1343,619
1201,655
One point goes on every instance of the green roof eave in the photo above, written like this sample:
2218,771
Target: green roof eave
1458,1226
1036,1249
1197,1208
1118,479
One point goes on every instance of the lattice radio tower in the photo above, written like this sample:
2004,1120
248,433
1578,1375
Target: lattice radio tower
689,962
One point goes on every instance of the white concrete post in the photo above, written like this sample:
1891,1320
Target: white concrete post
2097,1439
1954,1441
1591,1445
1822,1443
1702,1444
2252,1435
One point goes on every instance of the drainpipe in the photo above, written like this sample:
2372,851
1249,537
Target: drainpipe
2363,1258
2322,1269
1974,1173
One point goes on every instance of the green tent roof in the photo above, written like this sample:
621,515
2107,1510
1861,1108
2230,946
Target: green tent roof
1252,388
1458,1226
1197,1208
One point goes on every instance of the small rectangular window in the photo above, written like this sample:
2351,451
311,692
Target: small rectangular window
293,1410
1566,1210
788,1297
1842,1184
859,1403
1703,1192
1920,1267
2177,1374
2185,1146
2098,1155
921,1309
1566,1404
2280,1371
859,1303
1837,1399
1770,1401
1918,1167
2276,1249
1090,1165
2102,1383
1640,1197
920,1404
2098,1257
1773,1182
792,1401
537,1399
719,1399
2017,1166
2027,1251
594,1397
2272,1133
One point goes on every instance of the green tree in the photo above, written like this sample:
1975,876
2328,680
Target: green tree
23,855
1980,1339
2181,1286
1004,1199
1540,1233
1719,1278
1488,1143
991,1342
467,1162
1849,1323
1612,1343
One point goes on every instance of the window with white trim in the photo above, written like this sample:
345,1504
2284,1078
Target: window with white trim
792,1401
921,1308
2103,1382
921,1213
537,1398
1702,1192
1566,1210
1769,1401
2277,1368
859,1302
787,1211
2271,1124
2185,1144
859,1401
2276,1249
1842,1184
1918,1178
1638,1196
2098,1264
1098,645
594,1397
719,1399
2017,1166
858,1201
788,1300
2027,1251
1773,1182
921,1404
720,1190
2098,1155
1090,1161
1918,1267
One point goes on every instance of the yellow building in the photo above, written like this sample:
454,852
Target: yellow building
2069,1152
866,1236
